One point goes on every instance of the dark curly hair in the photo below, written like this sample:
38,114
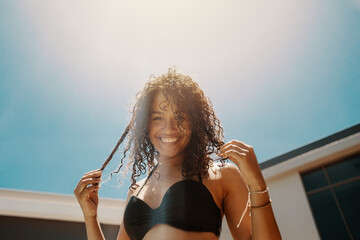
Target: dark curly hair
186,95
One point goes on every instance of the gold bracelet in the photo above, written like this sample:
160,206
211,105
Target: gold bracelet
262,206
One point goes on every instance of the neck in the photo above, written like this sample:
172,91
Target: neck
169,167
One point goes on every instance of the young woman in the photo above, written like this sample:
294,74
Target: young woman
175,136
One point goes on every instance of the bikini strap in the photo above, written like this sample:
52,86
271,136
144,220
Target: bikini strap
147,179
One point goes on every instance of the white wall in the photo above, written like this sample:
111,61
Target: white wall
55,206
64,207
290,203
291,208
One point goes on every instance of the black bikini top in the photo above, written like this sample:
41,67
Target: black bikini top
187,205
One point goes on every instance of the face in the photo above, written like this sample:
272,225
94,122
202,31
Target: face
167,138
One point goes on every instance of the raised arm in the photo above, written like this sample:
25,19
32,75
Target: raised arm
247,173
86,193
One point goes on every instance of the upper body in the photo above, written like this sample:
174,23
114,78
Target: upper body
174,133
223,193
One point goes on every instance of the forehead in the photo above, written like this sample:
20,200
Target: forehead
161,103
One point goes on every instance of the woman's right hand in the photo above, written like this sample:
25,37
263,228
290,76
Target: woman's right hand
86,192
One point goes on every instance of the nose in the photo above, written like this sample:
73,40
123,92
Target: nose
171,126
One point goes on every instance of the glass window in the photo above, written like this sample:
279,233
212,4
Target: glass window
334,197
327,216
314,180
344,170
349,199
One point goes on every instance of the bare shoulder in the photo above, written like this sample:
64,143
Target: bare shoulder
139,184
133,192
229,168
227,172
230,177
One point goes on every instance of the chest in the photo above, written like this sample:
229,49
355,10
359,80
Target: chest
187,205
153,193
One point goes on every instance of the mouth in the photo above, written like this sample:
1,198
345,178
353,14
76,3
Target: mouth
169,139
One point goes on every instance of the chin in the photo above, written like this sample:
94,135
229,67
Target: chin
171,155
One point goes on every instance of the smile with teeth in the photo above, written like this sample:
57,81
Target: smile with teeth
169,139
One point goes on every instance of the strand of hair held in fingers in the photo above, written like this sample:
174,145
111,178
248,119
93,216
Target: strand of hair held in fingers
117,146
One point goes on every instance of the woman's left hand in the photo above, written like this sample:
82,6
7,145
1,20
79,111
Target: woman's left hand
243,156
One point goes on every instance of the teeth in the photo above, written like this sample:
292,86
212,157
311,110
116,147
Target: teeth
169,140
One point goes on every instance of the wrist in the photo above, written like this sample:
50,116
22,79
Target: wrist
259,196
257,187
254,179
90,217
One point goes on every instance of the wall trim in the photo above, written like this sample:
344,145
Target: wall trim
55,206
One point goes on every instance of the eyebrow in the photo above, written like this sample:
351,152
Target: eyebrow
156,112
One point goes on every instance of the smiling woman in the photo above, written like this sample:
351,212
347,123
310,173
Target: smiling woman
168,138
175,136
177,97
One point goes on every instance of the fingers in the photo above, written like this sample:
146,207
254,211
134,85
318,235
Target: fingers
93,188
96,172
92,178
234,155
85,189
237,151
234,147
239,144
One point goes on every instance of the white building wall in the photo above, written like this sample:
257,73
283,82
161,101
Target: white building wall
65,207
291,208
290,204
55,207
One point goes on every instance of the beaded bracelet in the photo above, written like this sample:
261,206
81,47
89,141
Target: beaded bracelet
262,206
264,191
249,206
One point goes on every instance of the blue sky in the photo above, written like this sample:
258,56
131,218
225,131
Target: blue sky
280,75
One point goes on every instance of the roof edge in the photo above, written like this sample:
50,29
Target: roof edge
311,146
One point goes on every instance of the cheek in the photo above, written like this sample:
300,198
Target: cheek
150,134
152,128
153,141
189,130
187,125
189,134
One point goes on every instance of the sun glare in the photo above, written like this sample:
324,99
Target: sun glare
116,45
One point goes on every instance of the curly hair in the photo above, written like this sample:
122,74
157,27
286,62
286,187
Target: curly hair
207,134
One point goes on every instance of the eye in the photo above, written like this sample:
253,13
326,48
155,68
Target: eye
157,118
